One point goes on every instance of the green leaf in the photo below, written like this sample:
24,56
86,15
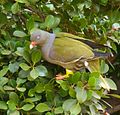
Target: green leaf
20,81
3,20
31,92
81,94
3,71
13,67
14,97
72,92
26,56
15,8
22,1
15,112
63,84
114,95
42,107
67,105
23,74
111,83
39,88
104,67
21,89
92,82
49,21
5,52
20,34
34,73
56,21
58,110
3,81
3,105
75,78
36,56
89,94
76,109
11,105
27,107
19,51
92,109
9,88
24,66
30,24
42,70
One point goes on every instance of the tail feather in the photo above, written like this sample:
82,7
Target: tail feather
101,54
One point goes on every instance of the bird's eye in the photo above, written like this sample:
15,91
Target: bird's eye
38,37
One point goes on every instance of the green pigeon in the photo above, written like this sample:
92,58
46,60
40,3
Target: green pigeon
69,51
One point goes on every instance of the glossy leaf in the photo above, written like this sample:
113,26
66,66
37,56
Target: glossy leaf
15,8
24,66
27,107
42,107
68,104
81,94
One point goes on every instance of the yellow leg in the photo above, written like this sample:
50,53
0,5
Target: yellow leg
60,77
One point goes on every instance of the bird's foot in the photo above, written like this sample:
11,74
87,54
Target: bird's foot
60,77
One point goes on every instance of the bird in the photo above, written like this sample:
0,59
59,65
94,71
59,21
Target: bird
68,51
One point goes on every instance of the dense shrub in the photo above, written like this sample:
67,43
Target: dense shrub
27,82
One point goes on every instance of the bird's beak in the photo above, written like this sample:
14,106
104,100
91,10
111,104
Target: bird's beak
33,44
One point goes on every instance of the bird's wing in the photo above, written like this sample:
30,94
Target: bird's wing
89,42
65,50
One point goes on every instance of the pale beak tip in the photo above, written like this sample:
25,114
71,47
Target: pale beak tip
31,46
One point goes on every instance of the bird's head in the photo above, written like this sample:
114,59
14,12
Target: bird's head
38,37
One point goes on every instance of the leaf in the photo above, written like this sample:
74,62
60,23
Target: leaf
114,95
42,107
11,105
14,97
56,21
111,83
49,21
75,109
81,94
58,110
3,71
92,82
39,88
15,8
104,67
3,105
5,52
68,104
30,24
21,89
13,67
34,73
22,1
24,66
9,88
15,112
27,107
36,56
72,92
42,70
20,34
92,110
75,78
19,51
63,84
3,81
20,81
26,56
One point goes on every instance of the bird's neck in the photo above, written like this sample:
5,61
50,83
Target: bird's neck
47,46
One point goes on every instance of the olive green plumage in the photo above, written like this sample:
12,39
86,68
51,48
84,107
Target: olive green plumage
66,50
69,51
